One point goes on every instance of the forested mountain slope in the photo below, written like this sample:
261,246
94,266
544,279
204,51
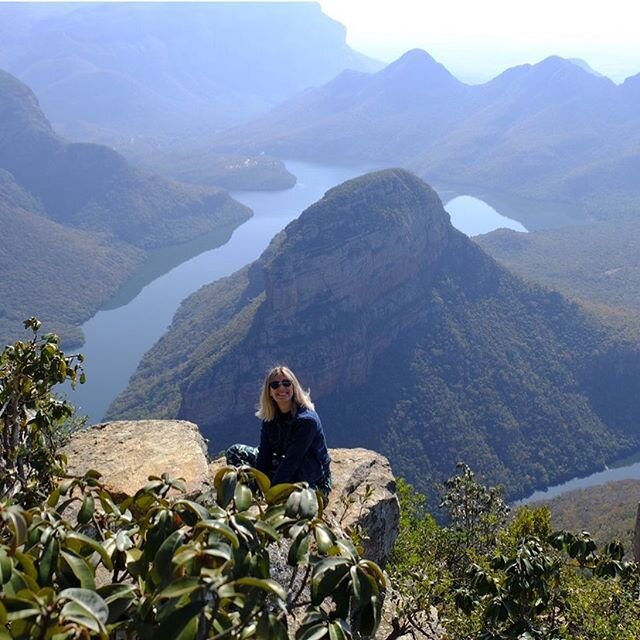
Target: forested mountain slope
595,264
413,341
78,219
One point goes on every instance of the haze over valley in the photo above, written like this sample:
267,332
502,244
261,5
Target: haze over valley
124,127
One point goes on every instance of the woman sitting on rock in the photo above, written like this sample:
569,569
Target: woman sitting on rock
292,443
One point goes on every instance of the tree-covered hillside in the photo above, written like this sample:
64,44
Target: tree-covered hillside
78,219
414,342
607,511
595,264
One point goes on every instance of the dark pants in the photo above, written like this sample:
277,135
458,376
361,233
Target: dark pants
238,455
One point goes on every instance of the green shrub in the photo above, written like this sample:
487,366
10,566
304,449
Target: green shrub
163,565
31,415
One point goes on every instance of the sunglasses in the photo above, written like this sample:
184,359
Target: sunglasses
274,384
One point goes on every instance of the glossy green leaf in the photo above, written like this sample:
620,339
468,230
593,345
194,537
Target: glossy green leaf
325,538
27,563
116,591
221,529
197,509
370,617
338,630
314,632
267,530
87,510
6,567
217,479
81,569
87,608
279,492
308,504
374,571
53,498
18,525
79,541
182,624
266,584
262,480
48,560
327,575
179,588
75,612
163,560
299,550
227,488
243,497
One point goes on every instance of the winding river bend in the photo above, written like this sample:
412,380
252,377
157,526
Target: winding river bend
127,327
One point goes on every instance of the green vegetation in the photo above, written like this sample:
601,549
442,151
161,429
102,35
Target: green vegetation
58,273
608,511
430,352
157,564
490,579
75,562
595,264
248,560
231,172
31,416
78,221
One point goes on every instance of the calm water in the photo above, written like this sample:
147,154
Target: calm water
474,217
629,470
129,325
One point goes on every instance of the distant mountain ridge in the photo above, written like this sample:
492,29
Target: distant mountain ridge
413,341
540,131
78,219
163,69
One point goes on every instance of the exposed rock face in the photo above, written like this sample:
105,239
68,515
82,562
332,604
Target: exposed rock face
128,452
364,497
338,285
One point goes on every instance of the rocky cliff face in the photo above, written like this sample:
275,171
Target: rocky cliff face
338,287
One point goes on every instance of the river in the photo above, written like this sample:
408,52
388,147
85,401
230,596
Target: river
117,337
627,469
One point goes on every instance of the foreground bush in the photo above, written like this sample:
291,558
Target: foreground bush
161,565
490,578
31,415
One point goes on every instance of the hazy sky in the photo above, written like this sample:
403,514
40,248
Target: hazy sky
478,38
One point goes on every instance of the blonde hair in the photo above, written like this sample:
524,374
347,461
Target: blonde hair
267,407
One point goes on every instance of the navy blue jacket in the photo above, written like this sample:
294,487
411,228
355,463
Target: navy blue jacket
293,448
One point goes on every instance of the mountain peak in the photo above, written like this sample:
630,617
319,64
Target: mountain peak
417,66
19,107
390,215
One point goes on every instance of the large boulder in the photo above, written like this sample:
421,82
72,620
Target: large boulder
127,452
363,499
